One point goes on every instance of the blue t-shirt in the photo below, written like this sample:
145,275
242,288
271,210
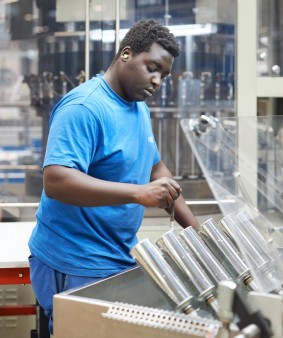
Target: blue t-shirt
95,131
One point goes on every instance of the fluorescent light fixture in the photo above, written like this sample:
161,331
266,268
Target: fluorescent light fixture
108,36
10,1
194,29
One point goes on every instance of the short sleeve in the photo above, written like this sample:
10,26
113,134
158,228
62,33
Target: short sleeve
72,138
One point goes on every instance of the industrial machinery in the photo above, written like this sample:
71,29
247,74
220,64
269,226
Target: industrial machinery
169,294
60,45
223,281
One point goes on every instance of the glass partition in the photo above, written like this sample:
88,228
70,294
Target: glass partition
215,144
235,177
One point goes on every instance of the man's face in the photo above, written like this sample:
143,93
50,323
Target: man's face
144,72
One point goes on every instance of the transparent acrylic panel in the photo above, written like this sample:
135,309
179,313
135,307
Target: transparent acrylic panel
269,38
235,176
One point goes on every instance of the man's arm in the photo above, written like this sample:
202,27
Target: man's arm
183,214
71,186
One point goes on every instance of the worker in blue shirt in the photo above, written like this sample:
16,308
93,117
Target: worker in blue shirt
102,168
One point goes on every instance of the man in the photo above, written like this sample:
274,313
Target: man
101,169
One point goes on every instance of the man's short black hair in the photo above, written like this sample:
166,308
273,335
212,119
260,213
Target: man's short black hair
144,33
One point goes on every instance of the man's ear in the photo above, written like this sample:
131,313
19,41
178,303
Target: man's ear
125,54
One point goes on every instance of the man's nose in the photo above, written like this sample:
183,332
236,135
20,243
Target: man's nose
157,80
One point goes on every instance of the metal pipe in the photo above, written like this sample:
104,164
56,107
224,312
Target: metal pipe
246,224
187,263
204,255
257,258
256,251
18,205
177,149
208,202
19,167
87,38
154,264
117,25
219,243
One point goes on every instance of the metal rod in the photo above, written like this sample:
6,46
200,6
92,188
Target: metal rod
18,205
117,25
172,216
87,37
207,202
19,167
177,148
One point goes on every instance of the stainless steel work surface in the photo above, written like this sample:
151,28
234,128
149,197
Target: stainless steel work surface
132,286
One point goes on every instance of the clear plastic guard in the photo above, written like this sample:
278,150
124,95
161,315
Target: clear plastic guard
242,161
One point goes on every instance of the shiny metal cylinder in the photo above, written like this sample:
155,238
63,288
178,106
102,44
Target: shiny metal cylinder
151,260
254,257
204,255
246,224
256,252
187,263
217,240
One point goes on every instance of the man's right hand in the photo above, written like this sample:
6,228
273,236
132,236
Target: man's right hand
160,193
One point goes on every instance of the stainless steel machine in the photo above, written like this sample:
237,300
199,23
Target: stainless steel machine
161,298
223,281
129,304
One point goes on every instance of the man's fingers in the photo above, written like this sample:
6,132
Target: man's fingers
165,192
175,190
